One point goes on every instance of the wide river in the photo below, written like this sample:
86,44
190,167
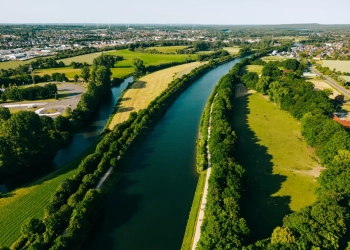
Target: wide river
149,207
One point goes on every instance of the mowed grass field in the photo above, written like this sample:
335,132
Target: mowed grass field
31,200
343,66
277,163
13,64
321,85
254,68
168,49
232,50
70,72
146,89
274,58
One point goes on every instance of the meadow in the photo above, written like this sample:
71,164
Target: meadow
146,89
30,200
277,161
232,50
346,78
13,64
167,49
70,72
254,68
274,58
343,66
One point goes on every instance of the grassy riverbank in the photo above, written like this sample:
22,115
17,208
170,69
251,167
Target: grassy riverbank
277,163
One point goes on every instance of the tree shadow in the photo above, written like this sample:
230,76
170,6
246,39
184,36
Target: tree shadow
125,109
124,99
262,211
138,85
68,94
110,219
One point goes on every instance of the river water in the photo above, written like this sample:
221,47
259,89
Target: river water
149,207
84,137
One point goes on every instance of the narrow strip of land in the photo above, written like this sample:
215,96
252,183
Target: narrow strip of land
200,217
103,179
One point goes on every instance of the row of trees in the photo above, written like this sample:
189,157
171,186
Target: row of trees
75,204
223,226
324,224
31,93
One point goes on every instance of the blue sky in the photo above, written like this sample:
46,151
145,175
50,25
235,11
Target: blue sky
176,11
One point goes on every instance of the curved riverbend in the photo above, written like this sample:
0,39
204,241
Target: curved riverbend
149,207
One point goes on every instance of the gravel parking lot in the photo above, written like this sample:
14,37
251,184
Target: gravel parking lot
68,96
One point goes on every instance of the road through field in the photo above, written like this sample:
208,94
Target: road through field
200,217
332,83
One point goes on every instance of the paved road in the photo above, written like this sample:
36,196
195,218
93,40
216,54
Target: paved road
331,82
200,217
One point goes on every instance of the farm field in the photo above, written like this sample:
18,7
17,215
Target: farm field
254,68
232,50
343,66
88,58
280,169
274,58
31,200
146,89
13,64
346,78
168,49
321,85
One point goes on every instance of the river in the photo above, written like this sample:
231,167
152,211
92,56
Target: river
149,207
81,140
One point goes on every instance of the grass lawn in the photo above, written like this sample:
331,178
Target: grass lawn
69,71
168,49
146,89
277,163
192,219
254,68
232,50
343,66
88,58
30,201
14,64
274,58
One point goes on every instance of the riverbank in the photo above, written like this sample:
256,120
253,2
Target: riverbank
138,197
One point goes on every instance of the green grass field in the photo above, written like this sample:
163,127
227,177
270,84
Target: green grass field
192,219
167,49
70,72
30,201
274,58
13,64
343,66
254,68
232,50
277,163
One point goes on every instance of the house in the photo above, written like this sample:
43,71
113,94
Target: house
307,74
275,52
340,121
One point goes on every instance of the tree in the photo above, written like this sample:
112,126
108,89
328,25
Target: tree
263,84
282,235
76,78
139,67
68,111
85,73
4,114
33,226
103,76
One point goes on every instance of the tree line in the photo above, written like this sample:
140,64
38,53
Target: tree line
31,93
75,205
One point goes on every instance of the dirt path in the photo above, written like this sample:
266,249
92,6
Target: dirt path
104,178
200,217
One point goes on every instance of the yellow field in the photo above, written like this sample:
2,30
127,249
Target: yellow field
15,64
254,68
145,90
343,66
346,78
274,58
232,50
168,49
321,85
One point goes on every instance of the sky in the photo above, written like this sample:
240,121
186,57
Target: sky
176,11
